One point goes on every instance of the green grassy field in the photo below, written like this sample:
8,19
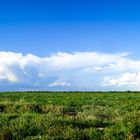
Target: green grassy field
70,116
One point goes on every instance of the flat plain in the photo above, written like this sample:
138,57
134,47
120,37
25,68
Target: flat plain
70,116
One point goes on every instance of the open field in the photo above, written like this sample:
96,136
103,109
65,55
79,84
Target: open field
70,116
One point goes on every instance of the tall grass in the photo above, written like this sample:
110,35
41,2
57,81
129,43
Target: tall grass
69,116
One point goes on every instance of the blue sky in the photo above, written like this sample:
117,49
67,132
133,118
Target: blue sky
43,28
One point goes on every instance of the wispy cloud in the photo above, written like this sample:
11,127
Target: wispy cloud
59,83
69,71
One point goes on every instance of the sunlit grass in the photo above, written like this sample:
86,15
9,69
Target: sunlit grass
70,116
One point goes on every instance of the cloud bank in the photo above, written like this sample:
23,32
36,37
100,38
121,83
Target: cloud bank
69,71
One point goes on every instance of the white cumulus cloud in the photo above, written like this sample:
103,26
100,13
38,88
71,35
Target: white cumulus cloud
69,71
